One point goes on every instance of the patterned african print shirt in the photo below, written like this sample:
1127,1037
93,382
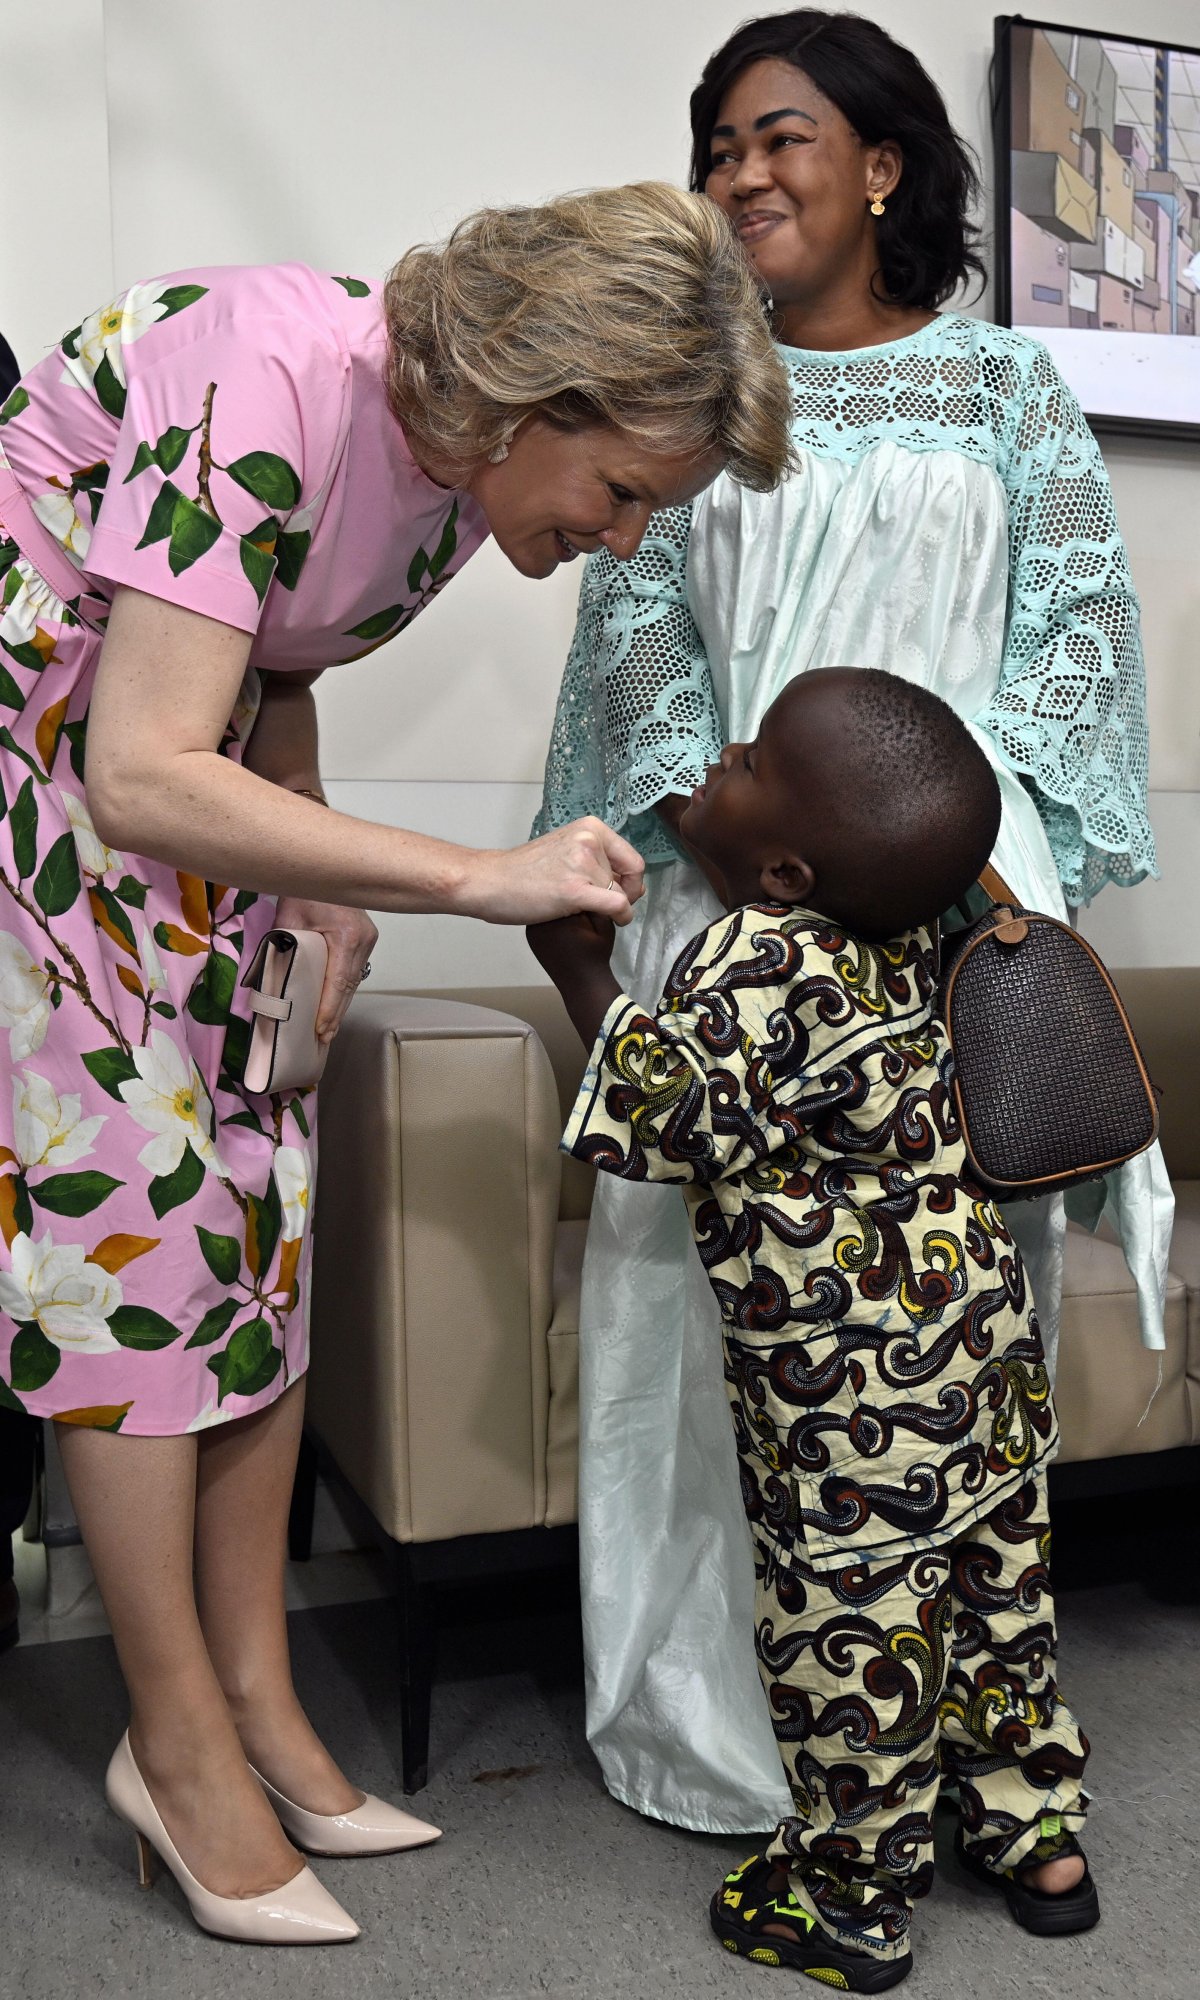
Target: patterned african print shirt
881,1352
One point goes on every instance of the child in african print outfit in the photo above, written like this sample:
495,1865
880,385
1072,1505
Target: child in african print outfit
892,1410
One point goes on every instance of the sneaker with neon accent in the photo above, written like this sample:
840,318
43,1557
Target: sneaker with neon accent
755,1914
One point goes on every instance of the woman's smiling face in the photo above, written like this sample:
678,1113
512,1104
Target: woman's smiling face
561,493
796,181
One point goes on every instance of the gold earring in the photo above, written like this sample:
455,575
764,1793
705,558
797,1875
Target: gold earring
876,205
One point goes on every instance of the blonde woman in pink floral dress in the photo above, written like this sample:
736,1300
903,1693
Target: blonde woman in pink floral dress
214,489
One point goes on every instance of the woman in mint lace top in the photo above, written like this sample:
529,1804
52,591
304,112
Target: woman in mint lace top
951,521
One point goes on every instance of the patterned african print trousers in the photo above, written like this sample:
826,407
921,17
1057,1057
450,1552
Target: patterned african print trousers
883,1678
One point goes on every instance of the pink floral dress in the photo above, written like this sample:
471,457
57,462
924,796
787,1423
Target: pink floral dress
219,439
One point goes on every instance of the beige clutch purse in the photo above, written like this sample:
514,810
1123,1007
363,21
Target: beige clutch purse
285,978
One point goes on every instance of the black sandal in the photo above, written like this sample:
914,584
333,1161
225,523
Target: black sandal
1039,1910
743,1907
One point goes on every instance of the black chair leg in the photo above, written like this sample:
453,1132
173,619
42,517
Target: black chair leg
304,1502
417,1614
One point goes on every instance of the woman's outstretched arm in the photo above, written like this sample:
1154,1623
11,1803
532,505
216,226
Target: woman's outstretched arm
167,683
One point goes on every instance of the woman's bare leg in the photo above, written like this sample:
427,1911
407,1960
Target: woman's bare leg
135,1502
243,1491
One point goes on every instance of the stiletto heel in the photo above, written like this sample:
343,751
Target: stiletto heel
373,1827
301,1912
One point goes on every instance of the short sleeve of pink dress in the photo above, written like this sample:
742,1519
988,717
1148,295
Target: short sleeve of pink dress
219,439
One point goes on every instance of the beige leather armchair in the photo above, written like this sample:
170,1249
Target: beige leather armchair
443,1387
449,1244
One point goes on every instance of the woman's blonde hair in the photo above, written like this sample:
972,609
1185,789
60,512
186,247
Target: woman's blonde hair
629,306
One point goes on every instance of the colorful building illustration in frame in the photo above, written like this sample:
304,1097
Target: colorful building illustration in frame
1098,181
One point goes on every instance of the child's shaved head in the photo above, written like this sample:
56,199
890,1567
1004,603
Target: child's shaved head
865,797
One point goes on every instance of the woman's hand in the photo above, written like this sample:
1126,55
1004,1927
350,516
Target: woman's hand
584,866
351,937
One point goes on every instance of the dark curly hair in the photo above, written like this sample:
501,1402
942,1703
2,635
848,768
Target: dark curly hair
927,241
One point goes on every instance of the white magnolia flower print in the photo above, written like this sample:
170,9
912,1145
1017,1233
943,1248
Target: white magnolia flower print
154,979
24,998
48,1129
207,1417
103,334
56,511
167,1097
53,1286
34,606
291,1178
94,857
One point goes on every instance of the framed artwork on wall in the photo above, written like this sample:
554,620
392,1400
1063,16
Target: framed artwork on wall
1098,216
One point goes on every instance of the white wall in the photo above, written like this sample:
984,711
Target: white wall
138,136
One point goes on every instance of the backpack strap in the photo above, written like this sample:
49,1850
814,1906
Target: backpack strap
996,888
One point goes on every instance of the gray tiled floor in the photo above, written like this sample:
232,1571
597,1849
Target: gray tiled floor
544,1886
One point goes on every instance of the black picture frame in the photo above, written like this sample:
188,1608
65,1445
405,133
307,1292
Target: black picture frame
1114,422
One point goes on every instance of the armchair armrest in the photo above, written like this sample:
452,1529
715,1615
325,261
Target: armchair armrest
436,1213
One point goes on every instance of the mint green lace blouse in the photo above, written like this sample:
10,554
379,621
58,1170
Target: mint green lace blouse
952,521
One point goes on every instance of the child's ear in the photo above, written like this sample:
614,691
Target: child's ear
787,879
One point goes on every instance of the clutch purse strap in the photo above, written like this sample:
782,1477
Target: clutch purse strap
267,1003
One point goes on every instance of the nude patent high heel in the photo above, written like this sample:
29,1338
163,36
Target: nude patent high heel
373,1827
301,1912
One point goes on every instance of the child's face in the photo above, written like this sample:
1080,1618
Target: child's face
748,818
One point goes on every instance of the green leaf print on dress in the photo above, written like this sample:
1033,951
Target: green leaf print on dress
33,1359
387,624
291,551
110,1068
74,1194
137,1326
249,1363
16,404
10,693
9,742
354,287
57,883
270,478
168,1191
212,996
167,454
110,390
193,534
222,1254
216,1323
191,531
194,526
264,1224
257,550
23,822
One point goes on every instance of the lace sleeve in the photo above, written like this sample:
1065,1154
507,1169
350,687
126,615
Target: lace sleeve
636,718
1069,715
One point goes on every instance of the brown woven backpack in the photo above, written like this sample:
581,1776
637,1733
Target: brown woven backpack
1049,1082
